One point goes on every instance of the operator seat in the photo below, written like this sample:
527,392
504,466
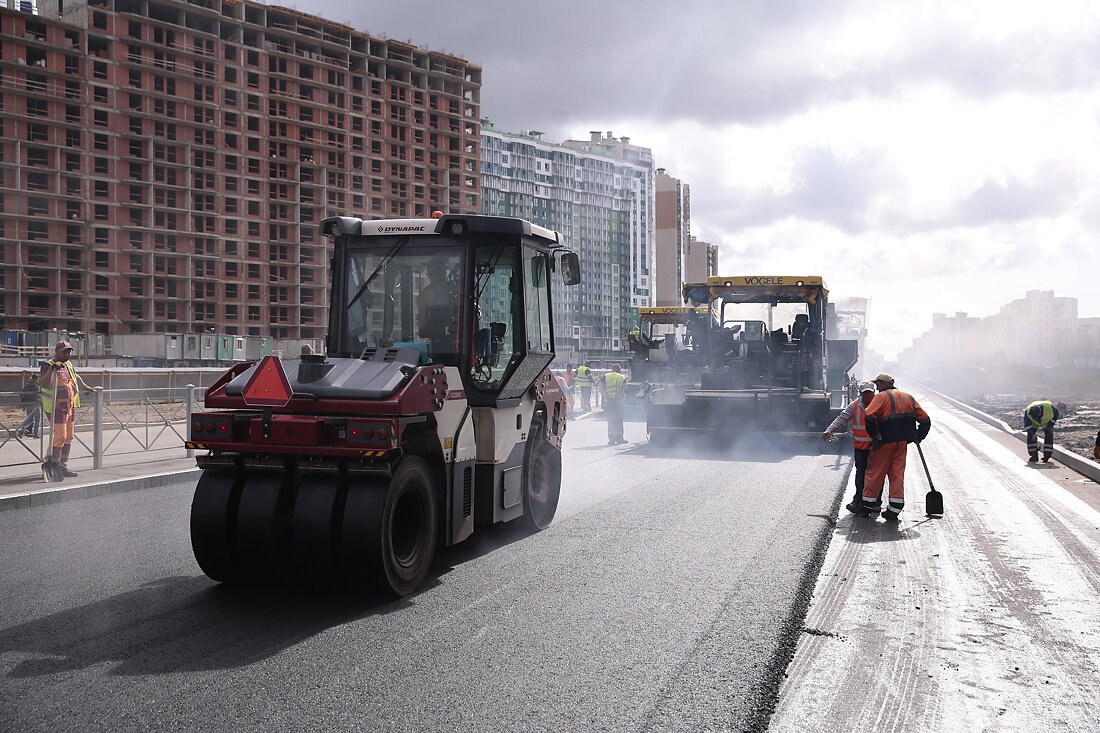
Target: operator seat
801,323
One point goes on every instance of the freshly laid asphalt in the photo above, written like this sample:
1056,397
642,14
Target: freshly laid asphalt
983,619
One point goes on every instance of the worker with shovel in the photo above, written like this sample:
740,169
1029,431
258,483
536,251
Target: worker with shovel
894,419
61,387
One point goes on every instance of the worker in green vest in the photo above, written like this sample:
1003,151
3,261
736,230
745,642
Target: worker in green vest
1040,415
584,382
614,391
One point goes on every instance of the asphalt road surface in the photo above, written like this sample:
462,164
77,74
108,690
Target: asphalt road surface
667,595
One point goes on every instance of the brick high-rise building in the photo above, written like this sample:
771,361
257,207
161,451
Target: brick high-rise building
165,164
673,206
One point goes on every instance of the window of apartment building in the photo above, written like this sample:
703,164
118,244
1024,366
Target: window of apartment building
37,206
231,162
38,230
38,255
137,286
229,98
231,268
254,229
101,142
38,108
232,291
73,234
72,88
37,131
136,263
137,311
99,95
253,271
102,306
231,183
137,241
135,77
253,292
137,218
101,189
253,312
72,139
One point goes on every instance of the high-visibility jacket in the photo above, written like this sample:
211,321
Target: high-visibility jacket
860,437
584,377
614,385
895,417
1050,413
47,394
853,415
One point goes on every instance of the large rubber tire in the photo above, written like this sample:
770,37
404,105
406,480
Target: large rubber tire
213,524
262,539
315,534
541,479
390,532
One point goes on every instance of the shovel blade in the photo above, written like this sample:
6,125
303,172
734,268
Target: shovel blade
51,472
933,502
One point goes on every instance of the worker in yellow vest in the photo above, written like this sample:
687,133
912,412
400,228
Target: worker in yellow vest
584,382
614,391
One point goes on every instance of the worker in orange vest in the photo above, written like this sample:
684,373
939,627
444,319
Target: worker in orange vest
853,415
894,420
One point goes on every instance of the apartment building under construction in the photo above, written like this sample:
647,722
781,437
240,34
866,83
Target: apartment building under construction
165,164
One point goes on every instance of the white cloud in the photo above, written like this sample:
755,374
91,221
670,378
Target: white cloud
938,156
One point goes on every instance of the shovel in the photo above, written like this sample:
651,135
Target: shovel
933,500
51,470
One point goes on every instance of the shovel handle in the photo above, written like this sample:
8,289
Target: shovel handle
925,464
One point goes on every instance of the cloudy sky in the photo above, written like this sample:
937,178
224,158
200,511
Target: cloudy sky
933,155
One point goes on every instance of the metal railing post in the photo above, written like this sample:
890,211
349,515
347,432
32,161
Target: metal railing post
97,427
190,411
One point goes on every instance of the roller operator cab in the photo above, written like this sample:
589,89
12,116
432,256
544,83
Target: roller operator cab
432,410
770,364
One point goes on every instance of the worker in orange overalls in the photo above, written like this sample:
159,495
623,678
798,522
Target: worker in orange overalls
61,387
894,420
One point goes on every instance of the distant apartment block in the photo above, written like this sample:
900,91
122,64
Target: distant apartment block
673,205
700,261
601,204
1035,331
165,164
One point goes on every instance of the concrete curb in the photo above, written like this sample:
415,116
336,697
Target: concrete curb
1072,461
86,491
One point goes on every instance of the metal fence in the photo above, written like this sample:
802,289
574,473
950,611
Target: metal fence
109,422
